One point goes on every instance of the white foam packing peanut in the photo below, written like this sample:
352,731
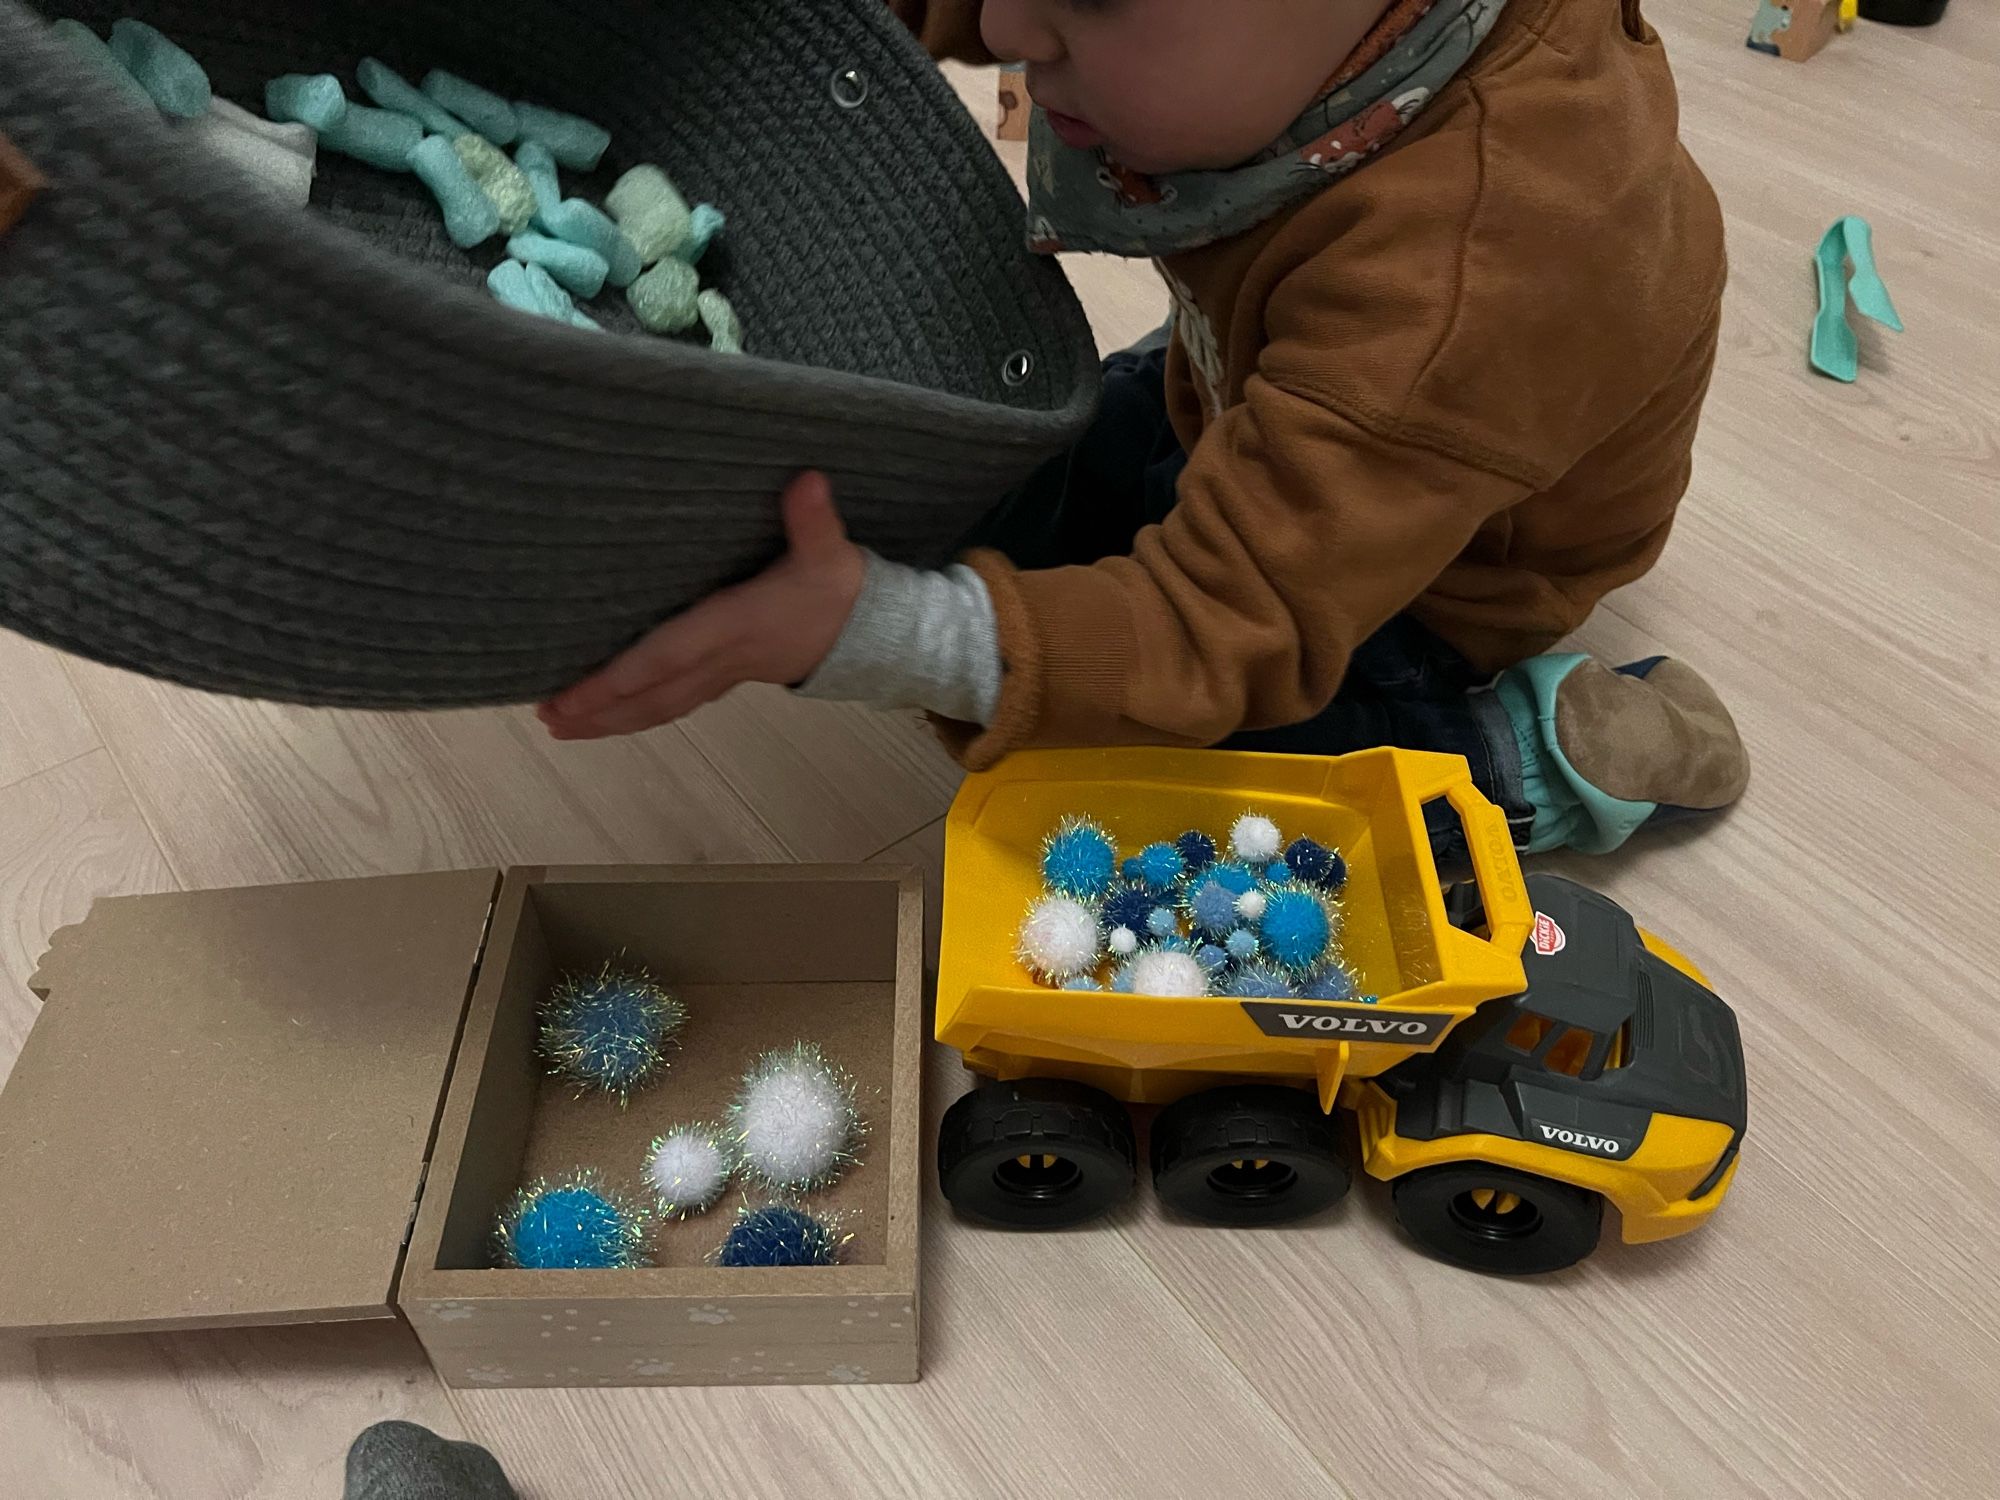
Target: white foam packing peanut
279,156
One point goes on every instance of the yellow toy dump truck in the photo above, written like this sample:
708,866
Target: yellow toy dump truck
1524,1053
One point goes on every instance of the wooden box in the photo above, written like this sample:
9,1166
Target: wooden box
307,1103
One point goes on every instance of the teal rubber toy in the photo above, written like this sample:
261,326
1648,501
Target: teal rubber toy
178,83
1849,242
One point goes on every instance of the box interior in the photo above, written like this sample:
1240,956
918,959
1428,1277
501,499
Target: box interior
760,965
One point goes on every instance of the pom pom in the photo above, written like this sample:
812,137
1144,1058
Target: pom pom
1314,863
572,1224
1212,907
794,1124
1255,839
1211,958
1241,945
1160,867
687,1169
1128,907
1234,878
1332,983
1060,938
1122,980
1129,871
1162,923
779,1235
1298,928
1168,975
1082,982
1261,982
1251,905
1197,850
1124,942
610,1031
1278,874
1079,860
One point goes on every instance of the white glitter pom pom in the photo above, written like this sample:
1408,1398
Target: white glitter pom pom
687,1169
1168,975
794,1125
1124,942
1255,839
1060,939
1250,906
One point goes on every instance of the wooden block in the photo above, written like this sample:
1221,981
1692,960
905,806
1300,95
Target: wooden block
1015,107
19,184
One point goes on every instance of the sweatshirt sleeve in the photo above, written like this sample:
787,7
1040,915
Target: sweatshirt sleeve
947,28
1297,533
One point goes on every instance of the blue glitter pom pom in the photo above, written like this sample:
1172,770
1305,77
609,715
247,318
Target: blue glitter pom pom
1316,864
573,1224
1161,867
1212,907
1211,958
1162,923
1333,983
1128,906
1234,878
610,1030
1297,927
1082,982
1279,873
1260,982
1079,860
1241,945
779,1235
1129,871
1197,850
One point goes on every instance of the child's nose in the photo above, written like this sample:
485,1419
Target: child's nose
1019,31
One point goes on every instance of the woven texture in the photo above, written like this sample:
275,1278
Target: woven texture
303,456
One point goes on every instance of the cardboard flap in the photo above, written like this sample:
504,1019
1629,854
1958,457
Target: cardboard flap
223,1112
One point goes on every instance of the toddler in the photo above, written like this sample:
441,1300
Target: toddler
1445,293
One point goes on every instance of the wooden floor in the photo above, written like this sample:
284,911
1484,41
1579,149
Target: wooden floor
1835,1333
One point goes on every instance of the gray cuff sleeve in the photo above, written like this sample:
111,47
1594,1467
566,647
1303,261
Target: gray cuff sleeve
916,639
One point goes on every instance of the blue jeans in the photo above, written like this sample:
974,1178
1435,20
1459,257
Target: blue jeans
1404,686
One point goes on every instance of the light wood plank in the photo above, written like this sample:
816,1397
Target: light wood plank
41,722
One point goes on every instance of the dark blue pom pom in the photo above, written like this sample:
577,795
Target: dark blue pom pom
1128,907
779,1236
1197,850
1316,864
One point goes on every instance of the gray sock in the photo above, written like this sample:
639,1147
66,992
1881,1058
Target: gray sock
402,1461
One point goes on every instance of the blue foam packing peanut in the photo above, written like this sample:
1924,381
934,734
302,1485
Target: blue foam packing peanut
530,289
725,329
533,158
315,99
571,140
585,224
486,112
469,215
506,184
176,82
88,45
705,223
392,90
667,299
574,268
381,137
651,211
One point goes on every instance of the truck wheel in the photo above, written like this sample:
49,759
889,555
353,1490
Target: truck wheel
1038,1153
1497,1219
1247,1154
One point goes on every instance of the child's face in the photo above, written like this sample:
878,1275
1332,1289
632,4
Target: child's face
1177,85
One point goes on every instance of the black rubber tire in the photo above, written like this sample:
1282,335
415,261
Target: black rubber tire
1208,1147
1554,1225
1038,1153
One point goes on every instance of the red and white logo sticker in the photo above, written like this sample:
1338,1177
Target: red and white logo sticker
1549,939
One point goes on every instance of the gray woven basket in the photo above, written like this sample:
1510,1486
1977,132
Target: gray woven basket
303,456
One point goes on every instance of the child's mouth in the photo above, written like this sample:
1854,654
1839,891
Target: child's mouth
1071,131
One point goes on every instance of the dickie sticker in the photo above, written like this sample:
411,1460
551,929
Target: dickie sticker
1548,938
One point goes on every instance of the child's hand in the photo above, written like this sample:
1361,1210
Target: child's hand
778,627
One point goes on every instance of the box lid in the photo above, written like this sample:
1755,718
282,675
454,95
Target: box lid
223,1112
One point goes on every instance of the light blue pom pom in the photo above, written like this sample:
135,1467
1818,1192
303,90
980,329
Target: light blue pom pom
1334,983
1211,958
1082,982
1161,923
1212,907
1241,945
1260,982
1079,860
1297,929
